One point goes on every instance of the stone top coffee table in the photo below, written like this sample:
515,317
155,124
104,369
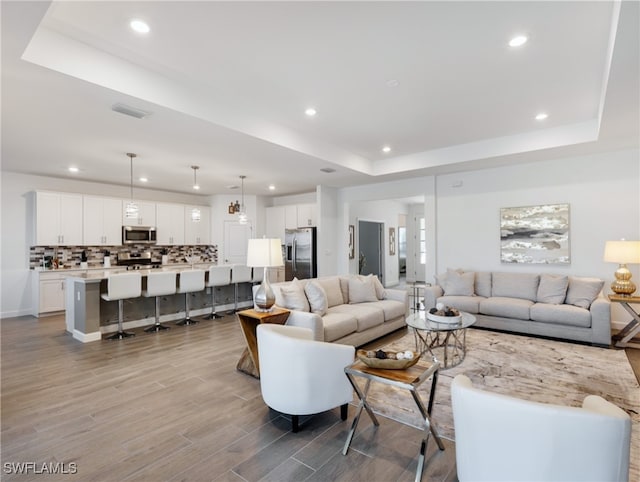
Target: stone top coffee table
444,341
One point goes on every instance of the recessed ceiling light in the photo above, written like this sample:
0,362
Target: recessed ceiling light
310,111
143,179
74,169
518,41
393,83
272,187
386,149
139,26
542,116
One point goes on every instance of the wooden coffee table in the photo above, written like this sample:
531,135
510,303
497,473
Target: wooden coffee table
249,321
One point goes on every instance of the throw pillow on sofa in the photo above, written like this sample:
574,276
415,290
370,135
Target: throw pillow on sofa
582,291
317,298
377,284
293,296
515,285
331,286
459,284
552,289
361,289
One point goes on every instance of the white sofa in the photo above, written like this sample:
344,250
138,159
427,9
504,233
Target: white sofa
557,306
350,309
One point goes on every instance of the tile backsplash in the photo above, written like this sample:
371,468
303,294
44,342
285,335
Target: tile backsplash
69,256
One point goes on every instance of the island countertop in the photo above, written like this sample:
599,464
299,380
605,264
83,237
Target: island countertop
94,275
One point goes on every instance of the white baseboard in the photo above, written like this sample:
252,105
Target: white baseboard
87,337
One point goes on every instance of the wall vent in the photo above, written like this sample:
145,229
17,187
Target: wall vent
130,111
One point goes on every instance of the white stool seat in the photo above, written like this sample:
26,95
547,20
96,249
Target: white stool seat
189,281
239,274
258,274
159,284
119,288
218,276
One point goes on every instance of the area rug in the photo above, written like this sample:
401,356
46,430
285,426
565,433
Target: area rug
529,368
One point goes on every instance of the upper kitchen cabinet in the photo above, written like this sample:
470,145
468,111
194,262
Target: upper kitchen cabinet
291,216
102,224
275,222
197,228
170,223
146,214
306,215
58,219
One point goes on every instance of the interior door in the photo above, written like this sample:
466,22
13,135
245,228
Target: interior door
370,243
236,239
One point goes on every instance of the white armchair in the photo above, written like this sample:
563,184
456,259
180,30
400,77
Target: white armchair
502,438
301,376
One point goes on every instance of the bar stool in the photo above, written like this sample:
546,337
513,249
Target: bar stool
189,281
218,276
239,274
121,287
159,284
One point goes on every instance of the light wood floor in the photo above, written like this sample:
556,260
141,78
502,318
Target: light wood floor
171,406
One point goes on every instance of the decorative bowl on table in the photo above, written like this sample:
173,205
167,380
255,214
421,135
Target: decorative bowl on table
374,359
444,314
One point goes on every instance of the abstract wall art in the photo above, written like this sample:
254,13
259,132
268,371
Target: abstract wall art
535,234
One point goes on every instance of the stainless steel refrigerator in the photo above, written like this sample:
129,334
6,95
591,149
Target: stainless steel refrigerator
300,253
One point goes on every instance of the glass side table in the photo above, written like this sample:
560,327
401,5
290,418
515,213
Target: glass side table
447,342
408,379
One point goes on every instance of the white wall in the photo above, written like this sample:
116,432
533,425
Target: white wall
17,226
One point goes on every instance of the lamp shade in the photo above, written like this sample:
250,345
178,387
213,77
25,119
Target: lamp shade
622,252
264,252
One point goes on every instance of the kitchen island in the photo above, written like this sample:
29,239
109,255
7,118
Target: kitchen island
88,316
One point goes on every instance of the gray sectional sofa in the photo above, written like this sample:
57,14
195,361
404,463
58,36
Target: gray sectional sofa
350,309
557,306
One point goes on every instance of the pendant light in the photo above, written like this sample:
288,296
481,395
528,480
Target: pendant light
242,216
131,209
195,212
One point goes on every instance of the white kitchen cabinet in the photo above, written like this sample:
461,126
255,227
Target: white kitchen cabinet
306,215
291,216
146,214
276,275
49,290
275,222
102,224
197,232
58,219
170,223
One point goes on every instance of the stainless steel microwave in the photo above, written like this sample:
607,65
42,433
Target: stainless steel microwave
139,235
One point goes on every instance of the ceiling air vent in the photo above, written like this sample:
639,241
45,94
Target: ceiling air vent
130,111
328,170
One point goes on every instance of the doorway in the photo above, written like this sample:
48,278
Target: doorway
370,244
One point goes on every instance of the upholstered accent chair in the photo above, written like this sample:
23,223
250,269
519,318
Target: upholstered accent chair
502,438
300,376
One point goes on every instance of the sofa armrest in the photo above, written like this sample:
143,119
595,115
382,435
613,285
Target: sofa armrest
431,294
601,321
313,321
398,295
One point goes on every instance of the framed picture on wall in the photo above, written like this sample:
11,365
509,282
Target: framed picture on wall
352,242
392,241
535,234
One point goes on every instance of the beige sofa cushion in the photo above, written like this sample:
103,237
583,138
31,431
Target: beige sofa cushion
293,296
552,289
392,309
338,325
361,289
470,304
582,291
515,285
459,284
331,286
561,314
506,307
366,314
317,297
483,284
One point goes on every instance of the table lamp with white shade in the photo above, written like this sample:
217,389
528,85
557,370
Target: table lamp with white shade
264,253
622,252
